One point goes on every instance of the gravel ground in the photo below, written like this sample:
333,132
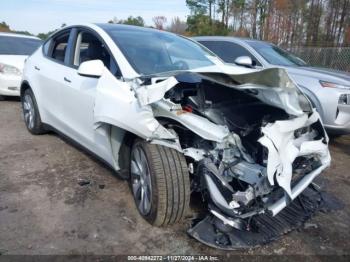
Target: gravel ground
44,210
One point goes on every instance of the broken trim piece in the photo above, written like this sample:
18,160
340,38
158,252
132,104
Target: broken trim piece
283,149
218,232
197,124
148,94
280,204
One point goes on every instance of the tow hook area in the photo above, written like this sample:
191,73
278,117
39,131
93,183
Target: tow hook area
259,229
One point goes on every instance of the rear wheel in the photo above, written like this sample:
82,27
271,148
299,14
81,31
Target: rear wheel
31,113
159,182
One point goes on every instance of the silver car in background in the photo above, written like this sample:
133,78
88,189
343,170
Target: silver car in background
327,89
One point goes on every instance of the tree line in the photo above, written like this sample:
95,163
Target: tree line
160,22
284,22
289,23
4,27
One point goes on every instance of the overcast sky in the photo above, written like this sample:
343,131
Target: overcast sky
37,16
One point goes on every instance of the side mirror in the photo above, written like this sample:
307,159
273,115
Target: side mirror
244,61
92,68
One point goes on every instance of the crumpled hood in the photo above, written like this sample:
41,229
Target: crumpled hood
324,74
228,69
14,60
272,86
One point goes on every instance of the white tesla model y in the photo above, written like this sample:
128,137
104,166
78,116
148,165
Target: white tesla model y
169,116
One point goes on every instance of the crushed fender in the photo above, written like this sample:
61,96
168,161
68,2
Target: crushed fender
116,104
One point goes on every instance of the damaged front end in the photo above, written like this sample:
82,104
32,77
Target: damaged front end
252,142
255,200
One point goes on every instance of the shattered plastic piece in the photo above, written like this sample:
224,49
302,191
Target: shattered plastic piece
84,182
262,229
283,148
196,154
147,94
199,125
310,225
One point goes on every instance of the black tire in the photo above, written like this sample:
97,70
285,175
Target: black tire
170,184
36,127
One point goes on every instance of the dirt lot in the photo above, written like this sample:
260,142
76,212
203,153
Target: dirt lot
44,210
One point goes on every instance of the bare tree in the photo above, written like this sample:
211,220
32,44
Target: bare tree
177,26
159,22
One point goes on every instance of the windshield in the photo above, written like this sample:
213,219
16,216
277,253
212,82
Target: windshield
276,56
12,45
152,52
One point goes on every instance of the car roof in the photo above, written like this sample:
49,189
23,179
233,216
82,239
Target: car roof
230,38
107,26
18,35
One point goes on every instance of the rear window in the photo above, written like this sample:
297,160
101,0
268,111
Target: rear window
11,45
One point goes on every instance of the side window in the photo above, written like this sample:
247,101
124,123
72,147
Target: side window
228,51
89,47
46,47
59,49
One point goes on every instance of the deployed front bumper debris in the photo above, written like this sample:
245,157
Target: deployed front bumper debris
259,229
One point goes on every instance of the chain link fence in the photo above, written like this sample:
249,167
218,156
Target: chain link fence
329,57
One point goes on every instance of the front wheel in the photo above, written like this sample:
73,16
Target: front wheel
160,183
31,113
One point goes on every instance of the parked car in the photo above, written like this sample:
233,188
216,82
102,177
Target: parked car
170,117
14,49
327,89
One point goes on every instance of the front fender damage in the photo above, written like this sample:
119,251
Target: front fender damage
116,104
253,144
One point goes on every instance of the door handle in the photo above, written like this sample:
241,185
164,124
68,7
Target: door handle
37,68
67,80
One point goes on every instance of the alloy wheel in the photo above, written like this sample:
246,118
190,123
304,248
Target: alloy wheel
141,180
29,111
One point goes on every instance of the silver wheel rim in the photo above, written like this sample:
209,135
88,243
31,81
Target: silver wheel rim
28,111
141,180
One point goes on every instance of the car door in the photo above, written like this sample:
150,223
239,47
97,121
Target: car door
78,93
51,72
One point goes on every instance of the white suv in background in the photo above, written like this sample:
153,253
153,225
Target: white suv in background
14,49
